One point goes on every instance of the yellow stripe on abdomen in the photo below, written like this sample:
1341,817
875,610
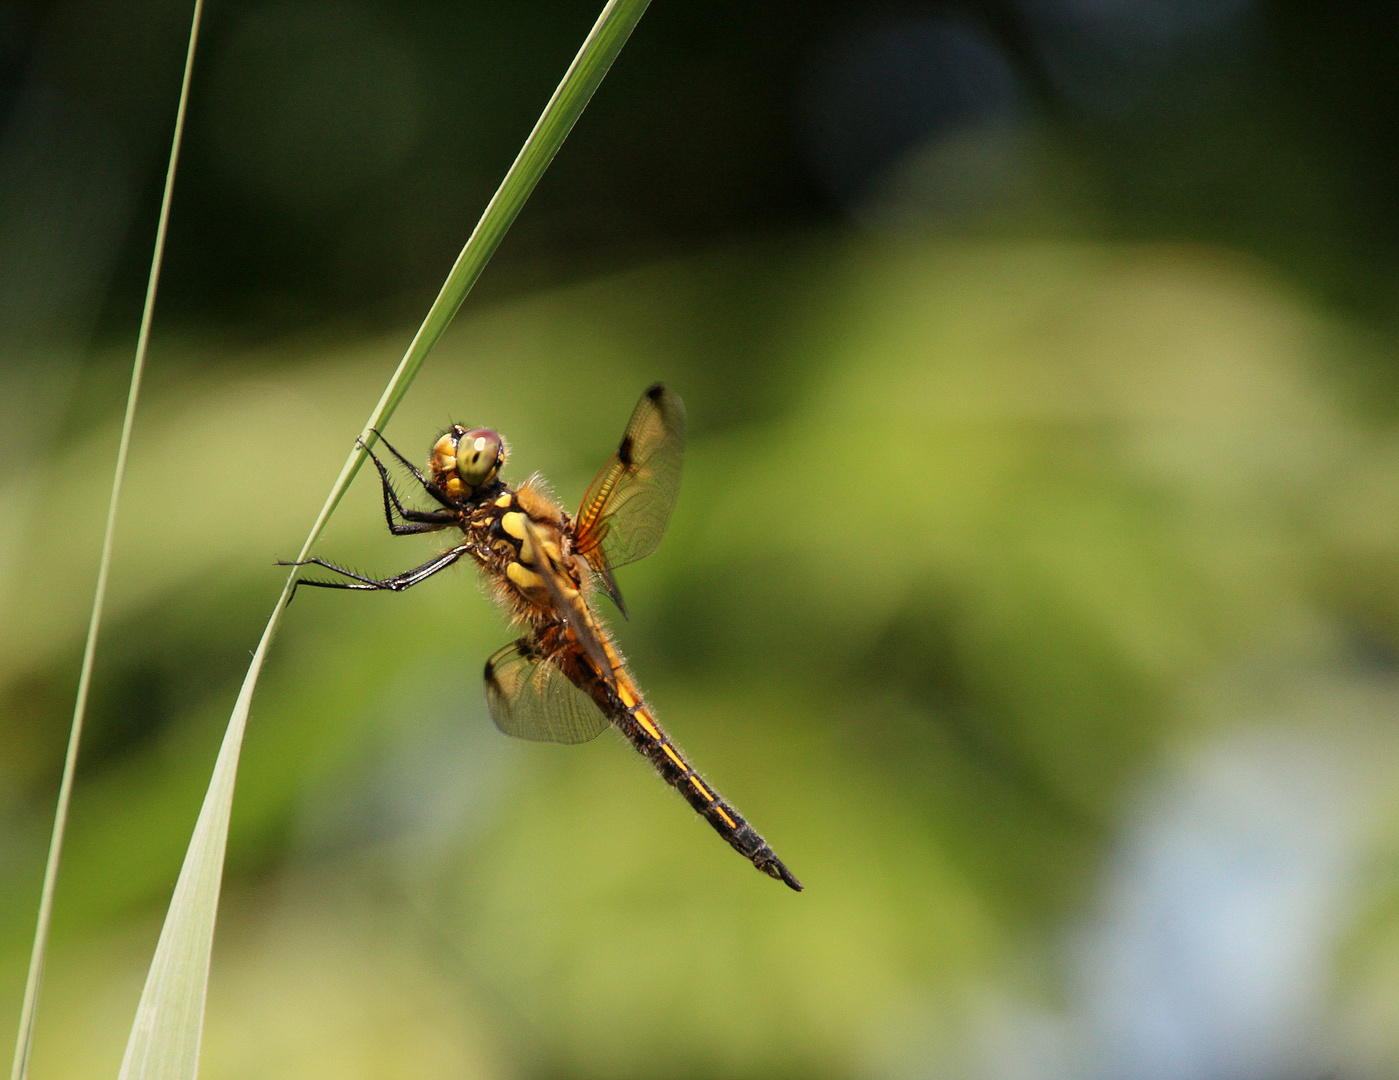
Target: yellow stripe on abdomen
630,699
647,724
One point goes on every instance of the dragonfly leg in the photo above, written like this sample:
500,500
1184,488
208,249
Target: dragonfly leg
397,583
414,521
428,486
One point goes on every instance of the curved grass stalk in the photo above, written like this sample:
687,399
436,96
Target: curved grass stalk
164,1041
24,1040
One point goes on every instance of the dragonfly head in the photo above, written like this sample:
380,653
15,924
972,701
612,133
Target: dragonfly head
463,461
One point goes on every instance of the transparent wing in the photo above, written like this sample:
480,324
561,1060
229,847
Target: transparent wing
530,698
625,512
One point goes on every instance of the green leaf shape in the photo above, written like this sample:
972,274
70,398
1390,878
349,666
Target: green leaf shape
164,1042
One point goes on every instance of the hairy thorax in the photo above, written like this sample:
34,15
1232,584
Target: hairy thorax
507,529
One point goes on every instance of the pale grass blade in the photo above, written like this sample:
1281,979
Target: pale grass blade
164,1042
165,1037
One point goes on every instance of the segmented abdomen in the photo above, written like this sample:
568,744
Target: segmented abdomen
622,703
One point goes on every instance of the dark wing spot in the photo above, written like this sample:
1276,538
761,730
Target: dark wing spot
655,390
624,451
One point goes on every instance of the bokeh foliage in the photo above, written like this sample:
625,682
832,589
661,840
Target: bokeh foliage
1010,544
931,604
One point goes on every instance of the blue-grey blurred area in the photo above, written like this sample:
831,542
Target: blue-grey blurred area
929,95
1033,587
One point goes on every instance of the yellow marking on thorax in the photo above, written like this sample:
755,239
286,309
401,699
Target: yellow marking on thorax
505,500
518,525
525,580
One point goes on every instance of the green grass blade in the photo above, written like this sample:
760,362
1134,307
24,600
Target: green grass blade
24,1040
164,1042
575,90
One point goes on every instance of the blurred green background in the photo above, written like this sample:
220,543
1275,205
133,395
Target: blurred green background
1034,586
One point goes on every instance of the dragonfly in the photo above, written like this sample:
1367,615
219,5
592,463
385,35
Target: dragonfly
564,679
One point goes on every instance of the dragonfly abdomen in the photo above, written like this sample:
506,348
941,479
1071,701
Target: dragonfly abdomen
624,707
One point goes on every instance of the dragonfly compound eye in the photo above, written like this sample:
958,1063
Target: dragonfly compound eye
480,453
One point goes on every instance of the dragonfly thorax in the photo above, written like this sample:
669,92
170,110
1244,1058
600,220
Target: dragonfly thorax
463,462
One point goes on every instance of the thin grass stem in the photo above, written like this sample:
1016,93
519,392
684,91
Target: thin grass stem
24,1040
164,1042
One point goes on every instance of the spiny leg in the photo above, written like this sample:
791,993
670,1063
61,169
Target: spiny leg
428,486
397,583
418,476
414,521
